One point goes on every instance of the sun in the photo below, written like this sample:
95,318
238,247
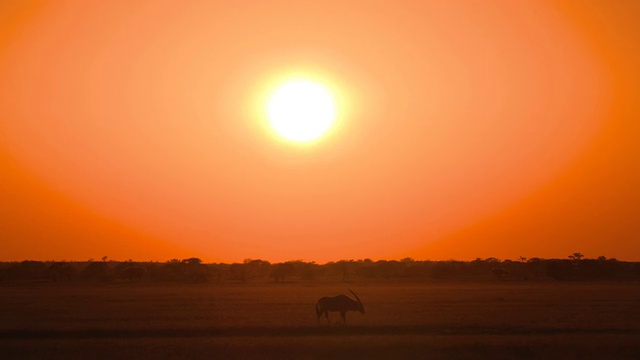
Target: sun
301,110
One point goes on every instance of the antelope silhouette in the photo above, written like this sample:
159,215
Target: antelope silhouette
339,303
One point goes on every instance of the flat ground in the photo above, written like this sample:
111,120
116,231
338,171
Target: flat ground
402,320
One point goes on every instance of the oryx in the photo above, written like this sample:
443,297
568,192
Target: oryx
341,303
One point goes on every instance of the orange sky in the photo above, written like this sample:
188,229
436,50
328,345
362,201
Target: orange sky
466,129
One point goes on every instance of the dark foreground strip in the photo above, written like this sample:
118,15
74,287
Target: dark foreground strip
298,332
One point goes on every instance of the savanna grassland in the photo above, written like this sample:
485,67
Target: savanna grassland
267,320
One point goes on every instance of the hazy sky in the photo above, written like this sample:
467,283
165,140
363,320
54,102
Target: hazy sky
465,129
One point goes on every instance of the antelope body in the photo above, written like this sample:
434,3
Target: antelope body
340,303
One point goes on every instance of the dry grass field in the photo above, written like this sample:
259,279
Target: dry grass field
269,320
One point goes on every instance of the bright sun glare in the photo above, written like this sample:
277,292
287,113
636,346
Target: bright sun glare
301,110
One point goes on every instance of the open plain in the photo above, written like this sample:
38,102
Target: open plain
270,320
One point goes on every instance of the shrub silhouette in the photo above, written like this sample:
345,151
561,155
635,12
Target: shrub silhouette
133,273
59,271
96,271
575,268
500,274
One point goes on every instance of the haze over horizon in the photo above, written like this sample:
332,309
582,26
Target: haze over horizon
139,130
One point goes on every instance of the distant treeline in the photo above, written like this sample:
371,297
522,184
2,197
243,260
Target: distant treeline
574,268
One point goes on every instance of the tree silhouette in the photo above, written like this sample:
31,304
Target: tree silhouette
192,261
576,267
576,256
96,271
281,270
500,273
239,272
133,273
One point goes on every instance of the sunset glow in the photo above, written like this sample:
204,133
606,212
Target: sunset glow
319,130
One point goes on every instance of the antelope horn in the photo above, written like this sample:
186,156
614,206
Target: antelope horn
354,294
